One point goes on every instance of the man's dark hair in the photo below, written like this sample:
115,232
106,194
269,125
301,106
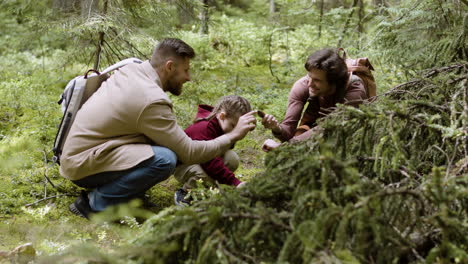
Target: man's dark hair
335,67
171,48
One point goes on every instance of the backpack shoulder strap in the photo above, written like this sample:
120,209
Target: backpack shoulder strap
121,64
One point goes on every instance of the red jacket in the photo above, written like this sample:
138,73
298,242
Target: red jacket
207,130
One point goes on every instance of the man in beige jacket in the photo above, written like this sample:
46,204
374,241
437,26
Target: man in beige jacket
125,138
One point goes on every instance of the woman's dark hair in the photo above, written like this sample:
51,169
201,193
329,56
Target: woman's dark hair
171,48
335,67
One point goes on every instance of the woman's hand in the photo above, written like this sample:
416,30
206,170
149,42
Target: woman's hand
270,122
270,144
242,184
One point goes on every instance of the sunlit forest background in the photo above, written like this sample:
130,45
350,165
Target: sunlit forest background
385,183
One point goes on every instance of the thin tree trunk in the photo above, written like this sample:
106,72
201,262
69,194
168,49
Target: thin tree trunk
272,7
340,41
204,17
360,15
320,19
100,41
270,52
334,3
89,7
185,13
360,23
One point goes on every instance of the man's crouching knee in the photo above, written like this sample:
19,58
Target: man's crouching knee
164,161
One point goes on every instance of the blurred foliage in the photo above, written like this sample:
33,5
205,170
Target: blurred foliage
423,34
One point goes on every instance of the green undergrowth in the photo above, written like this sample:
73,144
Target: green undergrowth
385,183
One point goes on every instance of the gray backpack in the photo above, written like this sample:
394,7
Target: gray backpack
76,93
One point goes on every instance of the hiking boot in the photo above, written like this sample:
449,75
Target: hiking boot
146,201
81,206
179,198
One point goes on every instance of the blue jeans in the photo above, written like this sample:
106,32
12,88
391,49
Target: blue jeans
114,187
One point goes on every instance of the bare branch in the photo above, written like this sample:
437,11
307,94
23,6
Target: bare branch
48,198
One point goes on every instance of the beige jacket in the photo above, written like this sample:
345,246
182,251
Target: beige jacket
115,128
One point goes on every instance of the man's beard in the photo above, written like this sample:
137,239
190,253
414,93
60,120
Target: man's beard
174,87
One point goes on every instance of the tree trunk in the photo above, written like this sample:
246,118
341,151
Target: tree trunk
320,19
360,22
204,17
89,8
335,3
272,7
100,40
185,12
360,16
345,27
65,5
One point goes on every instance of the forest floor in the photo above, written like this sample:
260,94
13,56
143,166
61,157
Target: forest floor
50,227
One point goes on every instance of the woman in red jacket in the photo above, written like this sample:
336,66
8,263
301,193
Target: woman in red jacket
212,122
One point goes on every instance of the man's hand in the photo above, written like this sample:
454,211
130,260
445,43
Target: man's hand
270,144
270,122
245,124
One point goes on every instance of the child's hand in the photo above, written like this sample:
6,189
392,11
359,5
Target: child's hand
245,124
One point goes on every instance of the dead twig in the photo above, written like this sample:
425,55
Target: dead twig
48,198
270,52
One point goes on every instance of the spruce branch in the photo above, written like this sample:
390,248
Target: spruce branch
432,72
258,217
385,193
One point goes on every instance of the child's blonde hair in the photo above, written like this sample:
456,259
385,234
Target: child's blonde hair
232,105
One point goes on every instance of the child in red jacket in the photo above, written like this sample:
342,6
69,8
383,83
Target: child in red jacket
210,123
